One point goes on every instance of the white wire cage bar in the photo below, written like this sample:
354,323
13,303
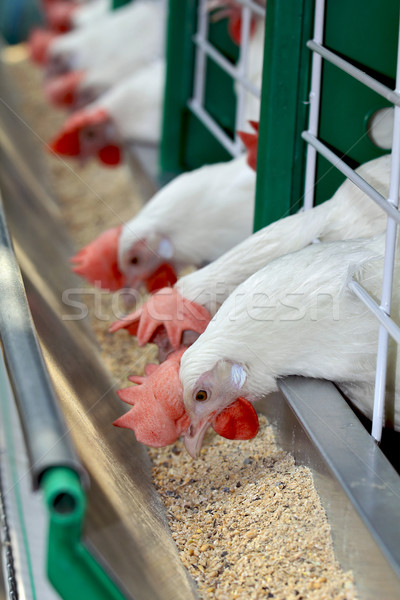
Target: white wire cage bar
314,97
390,205
206,50
344,168
381,89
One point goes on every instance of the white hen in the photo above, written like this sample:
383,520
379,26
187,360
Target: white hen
130,111
350,213
135,105
141,22
297,316
89,12
195,218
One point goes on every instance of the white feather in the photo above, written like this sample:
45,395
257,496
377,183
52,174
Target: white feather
254,64
348,214
135,104
203,213
297,316
87,13
138,27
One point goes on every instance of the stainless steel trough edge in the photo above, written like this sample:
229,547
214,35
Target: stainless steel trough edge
359,488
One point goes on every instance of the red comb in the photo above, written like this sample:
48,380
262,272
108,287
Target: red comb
61,90
67,142
231,10
38,45
98,261
164,276
158,415
250,140
235,25
58,15
168,309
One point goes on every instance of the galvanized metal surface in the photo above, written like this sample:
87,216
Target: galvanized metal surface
45,429
24,510
7,550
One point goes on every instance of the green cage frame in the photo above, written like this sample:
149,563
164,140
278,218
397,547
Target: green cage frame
186,144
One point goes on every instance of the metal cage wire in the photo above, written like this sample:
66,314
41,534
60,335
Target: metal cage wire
205,50
390,205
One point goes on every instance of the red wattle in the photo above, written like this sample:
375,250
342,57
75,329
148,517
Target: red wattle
164,276
238,421
110,155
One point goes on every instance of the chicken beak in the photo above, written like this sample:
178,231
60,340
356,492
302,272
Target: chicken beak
194,436
129,298
133,283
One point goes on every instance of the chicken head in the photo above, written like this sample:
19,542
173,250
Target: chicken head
158,415
211,395
87,133
39,41
98,263
141,259
62,90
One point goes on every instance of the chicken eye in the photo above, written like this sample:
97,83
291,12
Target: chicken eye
201,396
134,260
89,133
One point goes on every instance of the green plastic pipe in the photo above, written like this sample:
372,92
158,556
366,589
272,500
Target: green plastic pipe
71,569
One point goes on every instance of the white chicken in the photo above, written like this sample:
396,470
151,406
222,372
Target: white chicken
84,15
194,219
130,111
296,316
141,22
350,213
76,89
191,221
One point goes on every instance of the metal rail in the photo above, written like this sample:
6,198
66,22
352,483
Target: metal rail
358,487
337,162
9,565
205,50
45,431
381,89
